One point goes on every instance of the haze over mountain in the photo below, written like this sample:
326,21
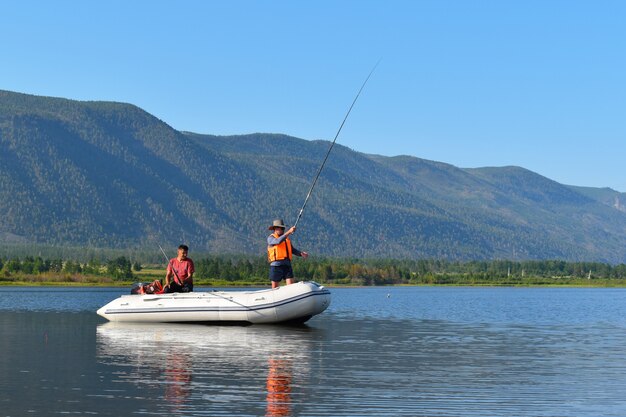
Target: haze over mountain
108,174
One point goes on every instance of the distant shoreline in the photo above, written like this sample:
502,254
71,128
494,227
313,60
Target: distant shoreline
128,284
245,273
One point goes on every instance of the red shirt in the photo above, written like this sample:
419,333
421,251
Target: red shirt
183,268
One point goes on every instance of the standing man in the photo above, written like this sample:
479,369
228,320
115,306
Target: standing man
179,275
279,252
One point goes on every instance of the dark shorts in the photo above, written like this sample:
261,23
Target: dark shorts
277,273
174,287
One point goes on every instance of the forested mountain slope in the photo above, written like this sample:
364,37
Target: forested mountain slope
110,174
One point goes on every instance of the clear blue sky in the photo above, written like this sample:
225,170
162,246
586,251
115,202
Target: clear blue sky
538,84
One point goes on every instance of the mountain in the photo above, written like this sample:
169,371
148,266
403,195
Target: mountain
108,174
605,195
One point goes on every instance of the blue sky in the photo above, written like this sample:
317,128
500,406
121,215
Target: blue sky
538,84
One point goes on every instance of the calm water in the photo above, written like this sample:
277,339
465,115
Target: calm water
375,352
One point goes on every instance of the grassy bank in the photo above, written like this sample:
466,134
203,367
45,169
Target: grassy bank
151,274
90,280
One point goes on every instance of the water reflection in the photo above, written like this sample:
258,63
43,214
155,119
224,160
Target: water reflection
177,379
486,352
279,387
228,370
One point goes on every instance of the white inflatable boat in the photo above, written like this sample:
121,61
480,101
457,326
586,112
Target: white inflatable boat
289,303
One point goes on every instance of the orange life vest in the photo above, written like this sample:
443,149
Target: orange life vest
279,252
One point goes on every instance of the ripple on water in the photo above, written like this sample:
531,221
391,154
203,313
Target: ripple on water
419,352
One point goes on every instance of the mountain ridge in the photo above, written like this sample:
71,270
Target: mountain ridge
110,174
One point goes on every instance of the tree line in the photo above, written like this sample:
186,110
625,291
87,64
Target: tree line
119,268
425,271
253,270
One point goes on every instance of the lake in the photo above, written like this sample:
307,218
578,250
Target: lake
398,351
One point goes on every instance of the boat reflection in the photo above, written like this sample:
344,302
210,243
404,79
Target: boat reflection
193,366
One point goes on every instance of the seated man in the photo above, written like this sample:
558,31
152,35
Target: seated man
179,275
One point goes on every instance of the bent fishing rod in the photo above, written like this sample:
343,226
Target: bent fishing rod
319,171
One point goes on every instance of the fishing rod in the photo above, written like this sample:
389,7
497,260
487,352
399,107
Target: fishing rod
168,263
319,171
212,293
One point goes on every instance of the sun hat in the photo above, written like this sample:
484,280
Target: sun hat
277,223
